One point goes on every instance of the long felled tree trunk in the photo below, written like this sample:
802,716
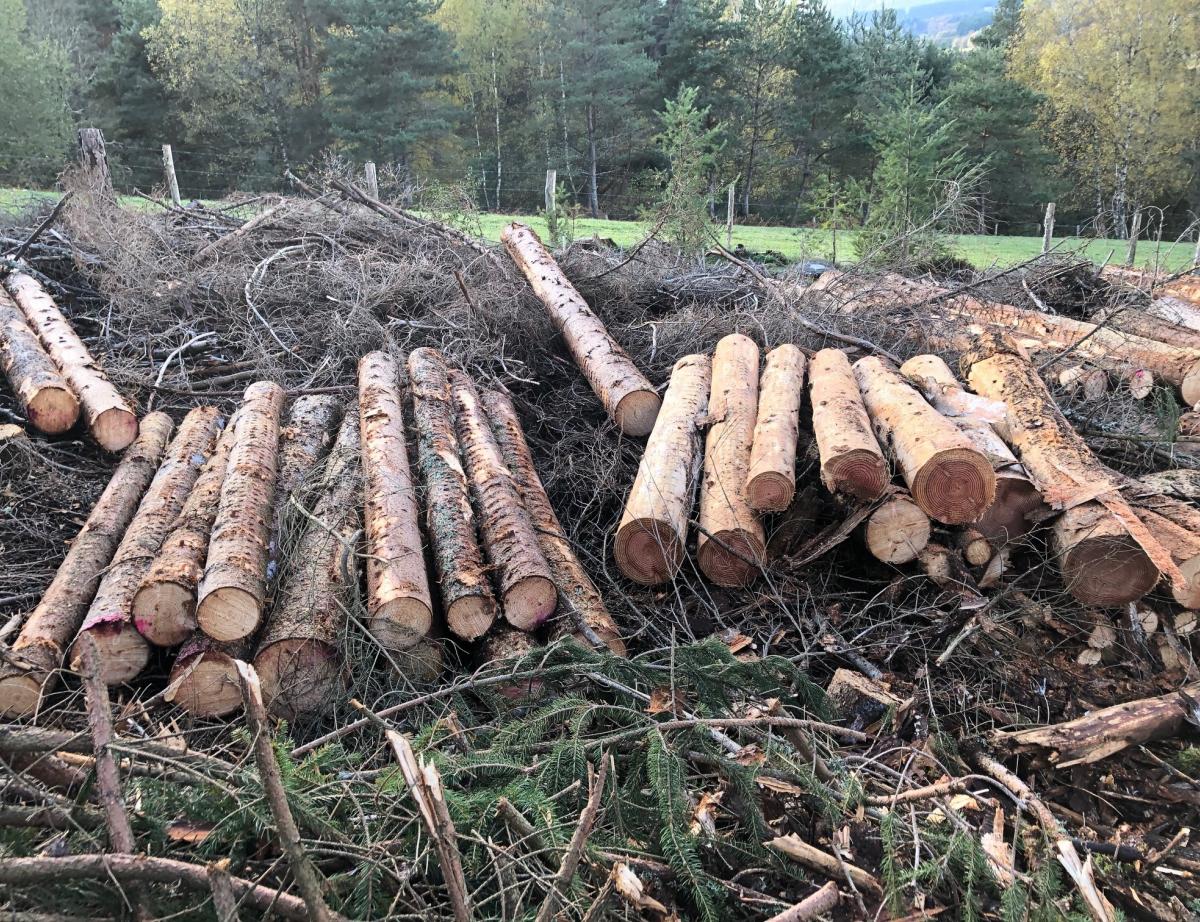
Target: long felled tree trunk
297,659
467,599
627,395
229,602
851,460
37,383
38,649
652,535
121,649
109,416
771,480
399,607
732,546
586,615
948,477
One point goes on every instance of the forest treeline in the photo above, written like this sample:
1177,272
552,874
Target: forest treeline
1090,103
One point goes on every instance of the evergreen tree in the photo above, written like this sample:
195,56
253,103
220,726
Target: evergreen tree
689,147
388,67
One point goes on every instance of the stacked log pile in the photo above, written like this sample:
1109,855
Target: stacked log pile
207,544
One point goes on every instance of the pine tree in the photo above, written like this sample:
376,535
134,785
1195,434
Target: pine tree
690,149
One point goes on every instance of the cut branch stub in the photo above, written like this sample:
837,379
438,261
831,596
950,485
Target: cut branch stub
652,535
230,595
948,477
398,602
42,391
851,460
627,395
771,480
732,546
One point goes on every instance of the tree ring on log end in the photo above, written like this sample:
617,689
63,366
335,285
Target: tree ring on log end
1190,386
648,551
123,652
165,613
470,616
211,689
529,602
115,429
228,613
53,410
731,558
299,677
19,694
636,412
770,491
400,623
955,486
859,473
898,531
1189,596
1108,570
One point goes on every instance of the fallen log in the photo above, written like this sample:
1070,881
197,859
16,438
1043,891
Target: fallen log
628,397
579,599
898,530
731,547
38,649
1185,288
467,600
1018,503
297,659
851,460
771,480
1148,324
399,606
1183,544
1101,563
1107,731
109,416
164,606
229,599
204,679
41,390
121,651
527,593
652,534
947,475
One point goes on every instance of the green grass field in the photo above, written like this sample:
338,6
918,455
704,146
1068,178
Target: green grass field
793,242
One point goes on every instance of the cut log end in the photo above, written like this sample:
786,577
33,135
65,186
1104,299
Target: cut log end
54,410
1108,570
299,676
770,491
470,616
400,623
1190,388
19,695
1188,595
955,486
1018,504
731,558
124,653
648,551
229,613
165,613
529,602
422,665
115,429
637,411
859,473
211,688
897,531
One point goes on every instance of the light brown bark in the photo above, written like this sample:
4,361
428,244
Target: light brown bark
579,601
55,621
297,659
898,530
731,547
1149,325
851,460
42,391
467,600
947,476
1106,731
652,535
109,416
523,576
628,397
164,606
229,599
399,607
121,650
771,480
938,384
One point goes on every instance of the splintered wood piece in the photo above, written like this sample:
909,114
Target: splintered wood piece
109,416
652,534
771,480
628,397
731,547
38,649
851,460
230,595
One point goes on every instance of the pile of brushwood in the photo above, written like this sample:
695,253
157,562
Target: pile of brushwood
848,734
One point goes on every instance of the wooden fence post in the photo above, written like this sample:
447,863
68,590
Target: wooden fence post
371,179
1134,230
1196,255
1048,228
729,215
551,191
94,160
169,169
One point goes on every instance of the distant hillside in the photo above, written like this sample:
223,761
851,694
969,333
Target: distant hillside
948,21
